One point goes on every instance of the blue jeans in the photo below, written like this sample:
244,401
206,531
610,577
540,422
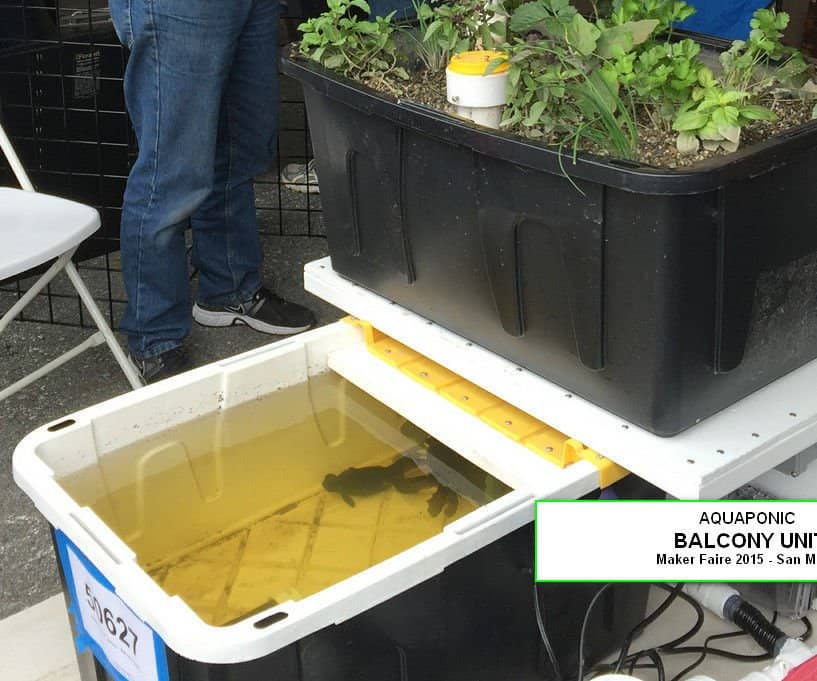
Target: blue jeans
201,87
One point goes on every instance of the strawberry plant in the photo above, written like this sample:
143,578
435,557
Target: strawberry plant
746,65
714,116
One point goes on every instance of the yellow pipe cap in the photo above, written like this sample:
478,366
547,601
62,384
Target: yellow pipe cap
475,62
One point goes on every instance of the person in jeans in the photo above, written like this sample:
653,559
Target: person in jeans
201,88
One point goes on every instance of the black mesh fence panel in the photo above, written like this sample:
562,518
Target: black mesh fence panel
61,103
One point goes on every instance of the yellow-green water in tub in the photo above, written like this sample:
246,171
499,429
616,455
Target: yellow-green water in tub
278,498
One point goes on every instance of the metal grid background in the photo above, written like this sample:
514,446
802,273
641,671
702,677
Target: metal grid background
61,102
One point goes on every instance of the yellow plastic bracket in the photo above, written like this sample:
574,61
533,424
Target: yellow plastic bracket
552,445
609,471
383,346
513,423
469,397
429,374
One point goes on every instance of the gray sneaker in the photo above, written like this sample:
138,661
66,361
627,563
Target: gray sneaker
301,177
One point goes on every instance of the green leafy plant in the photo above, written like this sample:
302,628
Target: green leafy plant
663,78
714,116
538,82
460,26
338,39
746,65
586,81
609,120
546,17
591,83
559,21
555,100
570,83
434,54
752,71
665,12
667,72
444,30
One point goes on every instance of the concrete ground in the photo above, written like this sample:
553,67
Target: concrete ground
27,567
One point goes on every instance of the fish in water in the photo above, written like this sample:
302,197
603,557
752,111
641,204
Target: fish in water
369,480
444,498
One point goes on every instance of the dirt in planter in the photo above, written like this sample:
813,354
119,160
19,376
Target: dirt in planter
425,88
656,145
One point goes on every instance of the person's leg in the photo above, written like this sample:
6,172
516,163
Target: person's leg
226,246
180,58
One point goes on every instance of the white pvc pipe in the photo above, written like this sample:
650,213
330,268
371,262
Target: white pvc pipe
712,596
478,98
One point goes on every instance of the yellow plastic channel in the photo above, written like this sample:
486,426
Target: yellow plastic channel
537,436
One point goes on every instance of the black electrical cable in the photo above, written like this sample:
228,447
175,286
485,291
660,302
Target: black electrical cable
720,652
740,657
752,619
659,664
583,632
608,667
674,647
540,623
632,665
694,629
643,624
702,656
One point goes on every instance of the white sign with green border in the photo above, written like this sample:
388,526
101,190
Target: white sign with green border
676,541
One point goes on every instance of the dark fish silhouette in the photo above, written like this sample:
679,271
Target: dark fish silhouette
444,498
369,480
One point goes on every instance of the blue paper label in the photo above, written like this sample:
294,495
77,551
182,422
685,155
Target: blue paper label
127,647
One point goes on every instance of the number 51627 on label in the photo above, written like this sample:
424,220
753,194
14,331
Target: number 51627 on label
115,625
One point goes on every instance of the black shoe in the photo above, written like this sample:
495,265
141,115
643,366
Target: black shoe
162,366
265,312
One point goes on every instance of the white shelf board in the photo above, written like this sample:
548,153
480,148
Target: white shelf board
706,461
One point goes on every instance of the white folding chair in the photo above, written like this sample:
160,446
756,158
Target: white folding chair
35,228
